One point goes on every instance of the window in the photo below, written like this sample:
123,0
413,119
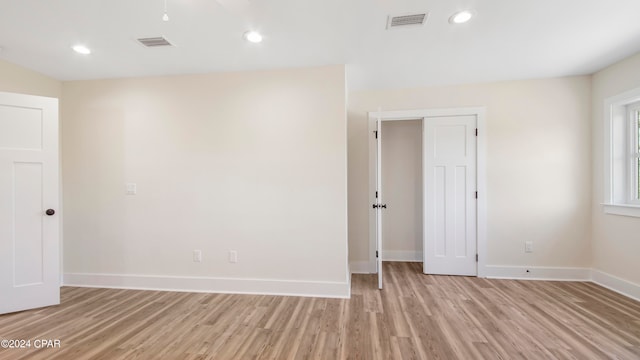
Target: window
622,155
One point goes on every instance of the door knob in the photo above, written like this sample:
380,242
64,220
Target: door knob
50,212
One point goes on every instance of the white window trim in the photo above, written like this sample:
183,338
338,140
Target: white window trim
632,124
617,186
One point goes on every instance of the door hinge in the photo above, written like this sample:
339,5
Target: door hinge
476,257
376,254
376,133
476,194
376,194
476,131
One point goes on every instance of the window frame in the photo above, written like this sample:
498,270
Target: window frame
633,113
619,154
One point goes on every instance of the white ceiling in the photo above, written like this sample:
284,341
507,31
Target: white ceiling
508,39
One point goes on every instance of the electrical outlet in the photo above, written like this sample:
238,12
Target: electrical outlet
197,256
233,256
132,189
528,246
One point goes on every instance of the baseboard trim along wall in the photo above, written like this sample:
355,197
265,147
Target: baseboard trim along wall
538,273
616,284
409,256
324,289
507,272
330,289
601,278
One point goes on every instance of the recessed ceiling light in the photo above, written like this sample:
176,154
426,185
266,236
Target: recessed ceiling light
253,36
81,49
461,17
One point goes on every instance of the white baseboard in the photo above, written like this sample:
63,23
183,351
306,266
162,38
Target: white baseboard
407,256
616,284
361,267
601,278
537,273
211,285
330,289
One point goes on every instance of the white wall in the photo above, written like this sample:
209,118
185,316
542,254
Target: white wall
402,189
16,79
616,239
232,161
538,165
252,161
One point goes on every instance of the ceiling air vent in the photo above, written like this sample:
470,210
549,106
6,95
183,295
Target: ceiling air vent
406,20
154,42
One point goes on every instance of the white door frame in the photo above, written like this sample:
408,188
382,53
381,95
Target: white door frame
479,112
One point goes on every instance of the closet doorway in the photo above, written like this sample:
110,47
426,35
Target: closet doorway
428,187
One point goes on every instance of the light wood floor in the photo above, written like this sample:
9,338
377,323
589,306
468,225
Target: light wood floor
415,317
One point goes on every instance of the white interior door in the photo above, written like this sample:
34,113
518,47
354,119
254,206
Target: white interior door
378,206
450,195
29,231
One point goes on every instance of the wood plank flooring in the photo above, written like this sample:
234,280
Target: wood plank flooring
415,317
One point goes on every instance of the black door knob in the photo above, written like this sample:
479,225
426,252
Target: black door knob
50,212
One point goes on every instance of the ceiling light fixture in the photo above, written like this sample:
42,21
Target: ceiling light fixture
81,49
165,17
461,17
253,36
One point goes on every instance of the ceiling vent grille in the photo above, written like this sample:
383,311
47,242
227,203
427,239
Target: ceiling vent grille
154,42
407,20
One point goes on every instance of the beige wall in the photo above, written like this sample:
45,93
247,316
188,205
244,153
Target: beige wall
538,165
247,141
402,188
16,79
175,134
252,161
616,239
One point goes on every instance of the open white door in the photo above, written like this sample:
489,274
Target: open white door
450,191
29,202
378,206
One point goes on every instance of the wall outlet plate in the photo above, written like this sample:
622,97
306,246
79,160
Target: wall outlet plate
233,256
528,246
132,188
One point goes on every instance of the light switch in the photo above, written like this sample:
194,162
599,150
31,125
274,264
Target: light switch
132,189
